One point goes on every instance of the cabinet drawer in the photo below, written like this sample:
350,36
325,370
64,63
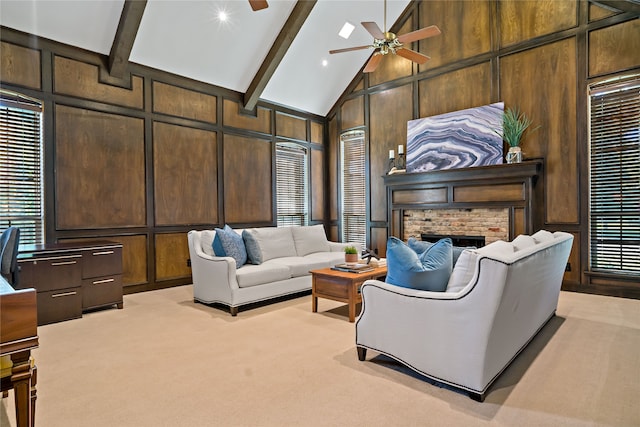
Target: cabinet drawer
59,305
51,273
101,291
100,262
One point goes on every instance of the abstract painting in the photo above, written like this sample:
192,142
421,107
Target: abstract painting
460,139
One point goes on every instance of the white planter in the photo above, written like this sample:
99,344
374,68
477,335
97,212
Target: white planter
514,155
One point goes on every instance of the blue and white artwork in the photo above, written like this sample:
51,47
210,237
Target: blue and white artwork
460,139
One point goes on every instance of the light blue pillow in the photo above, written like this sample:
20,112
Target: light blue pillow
420,246
428,271
217,243
233,245
254,254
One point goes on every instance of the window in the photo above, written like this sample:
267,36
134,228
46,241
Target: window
615,176
353,196
291,184
21,195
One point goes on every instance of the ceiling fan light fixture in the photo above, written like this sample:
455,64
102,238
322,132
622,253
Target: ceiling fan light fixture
346,30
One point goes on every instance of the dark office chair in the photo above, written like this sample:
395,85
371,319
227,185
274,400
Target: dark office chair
9,256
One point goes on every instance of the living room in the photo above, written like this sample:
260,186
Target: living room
141,163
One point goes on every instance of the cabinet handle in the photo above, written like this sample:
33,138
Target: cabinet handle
64,294
54,264
102,253
98,282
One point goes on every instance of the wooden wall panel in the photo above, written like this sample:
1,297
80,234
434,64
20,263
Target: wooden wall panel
596,12
614,48
573,276
465,30
333,233
172,253
385,136
248,191
176,101
393,66
352,113
80,79
232,117
291,127
100,169
523,20
550,103
317,133
317,185
134,256
20,65
379,240
465,88
185,165
332,166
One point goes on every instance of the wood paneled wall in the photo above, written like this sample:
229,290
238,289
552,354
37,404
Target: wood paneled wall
144,162
537,55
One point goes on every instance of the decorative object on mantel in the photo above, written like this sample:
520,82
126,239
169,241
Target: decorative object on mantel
350,255
400,161
396,165
515,124
460,139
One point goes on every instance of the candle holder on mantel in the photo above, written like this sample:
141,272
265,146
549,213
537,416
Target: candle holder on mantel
392,165
401,163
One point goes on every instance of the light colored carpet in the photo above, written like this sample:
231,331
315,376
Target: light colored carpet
165,361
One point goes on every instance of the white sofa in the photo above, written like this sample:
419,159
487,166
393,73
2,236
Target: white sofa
497,299
287,254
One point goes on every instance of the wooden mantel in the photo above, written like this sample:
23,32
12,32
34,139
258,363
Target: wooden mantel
518,187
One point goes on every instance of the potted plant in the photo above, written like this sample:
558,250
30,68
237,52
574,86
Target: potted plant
514,125
350,254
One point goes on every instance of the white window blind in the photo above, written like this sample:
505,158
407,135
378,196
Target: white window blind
291,184
21,167
353,196
615,176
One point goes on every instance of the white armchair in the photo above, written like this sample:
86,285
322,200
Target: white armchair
466,338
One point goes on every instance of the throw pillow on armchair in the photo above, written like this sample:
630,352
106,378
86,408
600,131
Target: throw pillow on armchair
429,270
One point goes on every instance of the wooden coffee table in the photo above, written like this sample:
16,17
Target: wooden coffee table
341,286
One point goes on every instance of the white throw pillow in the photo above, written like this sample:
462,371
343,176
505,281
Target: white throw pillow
542,236
206,241
310,239
274,242
522,242
463,271
499,247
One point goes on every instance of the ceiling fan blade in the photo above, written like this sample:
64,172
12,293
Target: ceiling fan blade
258,4
420,34
374,30
373,63
412,55
349,49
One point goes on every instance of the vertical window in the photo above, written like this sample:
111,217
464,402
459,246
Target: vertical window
615,176
21,197
352,191
291,184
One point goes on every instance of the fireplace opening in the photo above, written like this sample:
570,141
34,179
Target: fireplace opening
477,241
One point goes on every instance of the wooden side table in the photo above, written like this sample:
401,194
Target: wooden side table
341,286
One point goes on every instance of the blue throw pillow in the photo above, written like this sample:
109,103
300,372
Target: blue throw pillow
232,244
428,271
420,246
217,243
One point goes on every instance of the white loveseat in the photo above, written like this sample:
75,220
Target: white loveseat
497,300
287,255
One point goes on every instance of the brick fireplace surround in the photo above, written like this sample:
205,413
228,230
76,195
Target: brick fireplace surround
497,202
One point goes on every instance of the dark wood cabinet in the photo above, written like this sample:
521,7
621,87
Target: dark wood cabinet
71,278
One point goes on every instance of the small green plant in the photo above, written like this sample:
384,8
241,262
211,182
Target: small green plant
514,125
350,250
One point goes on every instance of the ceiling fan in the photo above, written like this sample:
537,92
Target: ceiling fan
387,42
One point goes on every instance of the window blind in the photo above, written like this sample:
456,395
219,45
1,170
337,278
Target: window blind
615,176
291,184
354,205
21,167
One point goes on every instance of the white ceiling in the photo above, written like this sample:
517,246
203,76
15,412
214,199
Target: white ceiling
186,38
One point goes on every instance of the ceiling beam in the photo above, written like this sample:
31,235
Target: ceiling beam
130,19
299,14
632,6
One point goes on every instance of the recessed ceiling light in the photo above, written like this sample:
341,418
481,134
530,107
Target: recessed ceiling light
346,30
222,15
325,62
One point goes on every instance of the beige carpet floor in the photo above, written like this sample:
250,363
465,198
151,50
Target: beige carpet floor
165,361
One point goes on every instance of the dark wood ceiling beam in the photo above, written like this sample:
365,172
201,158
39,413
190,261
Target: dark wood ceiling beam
632,6
130,19
299,14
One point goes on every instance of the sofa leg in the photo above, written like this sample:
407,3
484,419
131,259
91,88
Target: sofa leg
478,397
362,353
233,311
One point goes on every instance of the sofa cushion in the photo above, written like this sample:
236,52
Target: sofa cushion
254,275
542,236
310,239
420,246
233,245
463,271
299,266
428,271
274,242
206,242
522,242
328,258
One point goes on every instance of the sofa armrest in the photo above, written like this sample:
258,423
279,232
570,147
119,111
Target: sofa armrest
339,247
214,278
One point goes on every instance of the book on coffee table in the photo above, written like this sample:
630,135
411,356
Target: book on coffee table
353,268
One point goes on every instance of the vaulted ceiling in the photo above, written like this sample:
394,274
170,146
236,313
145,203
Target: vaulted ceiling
275,54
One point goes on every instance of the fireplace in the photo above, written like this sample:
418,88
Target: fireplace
464,241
